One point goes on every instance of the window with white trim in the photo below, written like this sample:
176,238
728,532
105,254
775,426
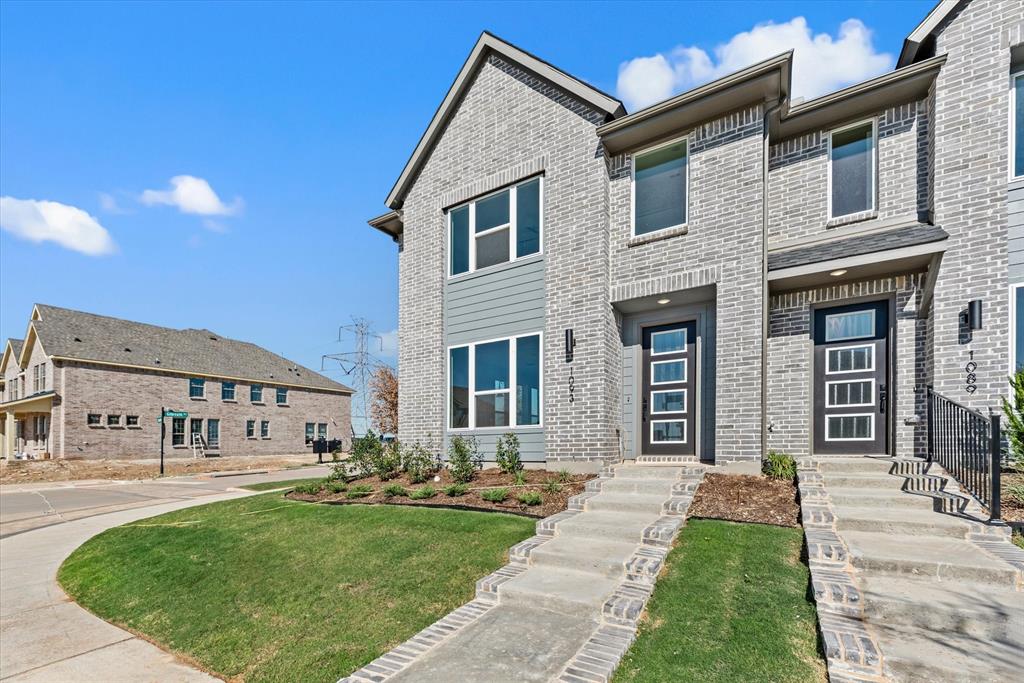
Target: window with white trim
250,429
282,396
321,430
495,383
1017,329
498,228
227,391
197,387
264,429
256,393
851,169
1017,125
310,432
660,188
213,433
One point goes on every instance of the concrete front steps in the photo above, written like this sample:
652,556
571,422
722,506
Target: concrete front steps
937,604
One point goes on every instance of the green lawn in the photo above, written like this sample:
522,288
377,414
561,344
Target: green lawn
732,606
266,589
269,485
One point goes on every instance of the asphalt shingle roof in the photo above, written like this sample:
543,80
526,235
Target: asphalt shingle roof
16,346
857,246
90,337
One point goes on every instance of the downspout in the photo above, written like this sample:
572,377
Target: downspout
766,142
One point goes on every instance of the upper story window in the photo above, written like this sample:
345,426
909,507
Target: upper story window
282,396
498,228
197,387
660,188
227,391
256,393
851,169
1017,125
39,378
495,384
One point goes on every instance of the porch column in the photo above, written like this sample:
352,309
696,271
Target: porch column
8,436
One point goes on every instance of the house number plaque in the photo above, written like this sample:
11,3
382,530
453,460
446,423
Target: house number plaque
972,377
572,386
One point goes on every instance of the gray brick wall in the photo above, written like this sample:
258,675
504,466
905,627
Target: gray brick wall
721,247
971,161
798,175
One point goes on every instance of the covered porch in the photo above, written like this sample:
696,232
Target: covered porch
25,427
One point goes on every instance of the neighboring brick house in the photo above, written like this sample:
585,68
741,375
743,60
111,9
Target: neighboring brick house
721,273
88,386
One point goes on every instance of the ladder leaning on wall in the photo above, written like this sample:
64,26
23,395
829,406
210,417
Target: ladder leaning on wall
198,446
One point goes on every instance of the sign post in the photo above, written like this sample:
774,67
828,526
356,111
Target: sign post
161,441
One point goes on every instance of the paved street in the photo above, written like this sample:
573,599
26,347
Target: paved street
44,636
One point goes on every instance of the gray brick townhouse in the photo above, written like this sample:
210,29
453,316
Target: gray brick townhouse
725,272
88,386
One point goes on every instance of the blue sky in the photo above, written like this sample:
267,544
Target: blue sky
287,124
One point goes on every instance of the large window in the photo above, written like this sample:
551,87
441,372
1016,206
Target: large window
481,391
498,228
659,188
227,391
851,173
178,431
1017,125
213,433
197,388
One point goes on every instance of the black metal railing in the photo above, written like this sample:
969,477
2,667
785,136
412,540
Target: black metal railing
968,445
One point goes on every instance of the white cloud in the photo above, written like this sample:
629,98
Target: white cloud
821,62
110,205
46,221
389,344
191,195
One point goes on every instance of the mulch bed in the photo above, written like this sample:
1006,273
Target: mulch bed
552,503
747,498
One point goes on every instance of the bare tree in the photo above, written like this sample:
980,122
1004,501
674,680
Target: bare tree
384,399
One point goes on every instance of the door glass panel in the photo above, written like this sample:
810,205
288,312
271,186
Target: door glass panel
663,431
668,401
492,410
669,341
663,372
851,359
492,249
492,366
528,218
858,392
852,325
492,212
851,427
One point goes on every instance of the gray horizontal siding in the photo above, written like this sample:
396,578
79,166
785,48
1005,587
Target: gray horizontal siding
1015,219
502,302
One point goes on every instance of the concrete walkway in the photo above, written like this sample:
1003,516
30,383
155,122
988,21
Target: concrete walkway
565,607
937,591
44,636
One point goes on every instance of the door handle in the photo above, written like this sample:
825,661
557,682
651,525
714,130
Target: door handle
882,396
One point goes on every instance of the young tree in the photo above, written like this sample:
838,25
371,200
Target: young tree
1014,410
384,400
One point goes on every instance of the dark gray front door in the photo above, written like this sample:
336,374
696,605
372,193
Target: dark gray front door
668,389
851,379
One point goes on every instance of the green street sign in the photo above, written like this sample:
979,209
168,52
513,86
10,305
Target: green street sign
159,420
175,413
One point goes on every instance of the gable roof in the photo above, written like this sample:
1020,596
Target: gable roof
12,349
487,44
74,335
924,30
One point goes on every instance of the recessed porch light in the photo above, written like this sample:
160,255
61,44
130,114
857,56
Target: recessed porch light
837,273
664,301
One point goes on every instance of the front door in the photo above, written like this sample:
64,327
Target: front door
851,379
196,427
668,389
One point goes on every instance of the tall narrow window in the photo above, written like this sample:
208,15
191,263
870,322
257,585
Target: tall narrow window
495,229
528,381
250,429
458,369
1017,126
213,433
659,188
282,396
852,169
321,430
178,431
310,432
256,393
264,429
1017,333
491,386
227,391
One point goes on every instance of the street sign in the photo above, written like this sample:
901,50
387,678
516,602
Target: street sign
175,413
159,420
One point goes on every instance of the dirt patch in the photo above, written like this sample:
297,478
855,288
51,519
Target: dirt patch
29,471
1012,503
747,498
552,501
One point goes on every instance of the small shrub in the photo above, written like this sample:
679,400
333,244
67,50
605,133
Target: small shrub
1015,492
456,490
564,476
366,452
507,455
392,490
387,462
494,495
423,493
463,458
779,466
339,472
311,489
552,486
336,486
360,491
519,477
418,463
530,498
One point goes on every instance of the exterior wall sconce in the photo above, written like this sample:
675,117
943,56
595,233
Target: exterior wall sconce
570,345
972,316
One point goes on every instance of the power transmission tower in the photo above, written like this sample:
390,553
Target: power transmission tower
359,365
